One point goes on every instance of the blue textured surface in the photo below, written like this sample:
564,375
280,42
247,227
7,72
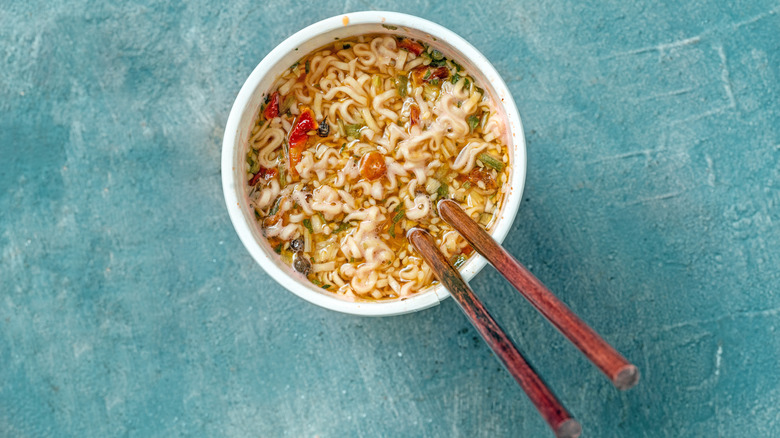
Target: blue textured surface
128,307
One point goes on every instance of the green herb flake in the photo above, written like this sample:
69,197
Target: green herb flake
438,63
443,190
387,26
352,260
292,67
285,106
455,78
278,249
307,224
275,207
467,84
282,175
400,215
491,161
308,66
315,281
427,75
467,185
347,46
326,286
401,83
353,130
254,166
473,122
342,226
437,55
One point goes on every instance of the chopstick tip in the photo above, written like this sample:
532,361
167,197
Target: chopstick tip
569,429
444,201
413,231
627,378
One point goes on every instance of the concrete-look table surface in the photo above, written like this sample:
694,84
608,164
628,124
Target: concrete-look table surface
128,306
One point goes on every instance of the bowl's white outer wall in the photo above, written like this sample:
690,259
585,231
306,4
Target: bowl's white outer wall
248,102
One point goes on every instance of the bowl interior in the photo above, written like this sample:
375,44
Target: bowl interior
252,95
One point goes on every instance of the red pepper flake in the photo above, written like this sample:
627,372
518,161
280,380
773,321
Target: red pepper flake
372,166
299,136
419,73
414,115
476,175
439,73
263,173
411,46
272,109
425,73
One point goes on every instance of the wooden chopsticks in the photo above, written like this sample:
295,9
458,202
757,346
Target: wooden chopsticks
551,409
622,373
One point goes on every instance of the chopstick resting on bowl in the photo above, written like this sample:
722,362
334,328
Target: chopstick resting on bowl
620,371
540,395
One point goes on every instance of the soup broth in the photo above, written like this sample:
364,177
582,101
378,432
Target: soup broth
355,144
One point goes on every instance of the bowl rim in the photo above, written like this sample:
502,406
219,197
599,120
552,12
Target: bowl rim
231,139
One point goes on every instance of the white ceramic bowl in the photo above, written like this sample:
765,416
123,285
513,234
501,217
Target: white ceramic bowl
246,107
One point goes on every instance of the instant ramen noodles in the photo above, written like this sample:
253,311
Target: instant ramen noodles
355,144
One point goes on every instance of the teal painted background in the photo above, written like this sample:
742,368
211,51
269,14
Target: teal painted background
128,306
